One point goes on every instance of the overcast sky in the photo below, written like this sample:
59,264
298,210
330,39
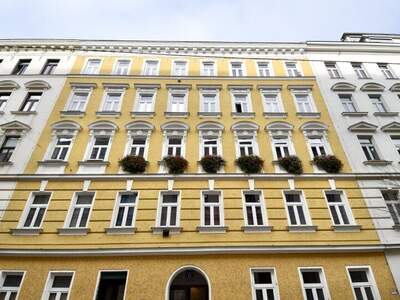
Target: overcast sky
224,20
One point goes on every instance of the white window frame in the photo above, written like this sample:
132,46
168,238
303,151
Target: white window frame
29,205
174,147
334,72
242,68
261,205
396,142
322,285
348,103
344,203
205,91
84,70
304,92
220,206
116,65
71,97
139,94
324,143
9,290
48,286
241,92
126,208
379,105
277,94
270,68
53,146
169,133
303,203
184,92
289,143
4,102
274,285
202,70
204,138
145,64
91,145
129,147
371,280
360,70
298,72
387,71
160,206
394,204
110,91
110,271
72,207
372,143
173,67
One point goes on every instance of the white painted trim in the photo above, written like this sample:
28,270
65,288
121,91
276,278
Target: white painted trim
202,69
203,91
144,66
47,284
345,201
303,200
28,206
276,92
322,277
370,276
72,205
270,67
243,67
244,91
116,208
178,208
110,270
86,63
260,193
187,65
74,90
13,271
116,64
140,91
220,205
112,90
181,91
274,278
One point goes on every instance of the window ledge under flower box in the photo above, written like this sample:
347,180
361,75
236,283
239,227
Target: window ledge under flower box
73,231
251,229
108,113
143,113
355,113
72,113
212,229
302,228
277,115
52,162
310,115
120,230
243,114
173,114
171,229
386,114
93,162
26,231
17,112
377,162
205,114
346,228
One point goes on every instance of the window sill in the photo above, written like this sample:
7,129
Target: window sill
212,229
251,229
302,228
243,114
5,163
108,113
27,113
386,114
209,114
377,162
120,230
171,229
52,162
171,114
355,114
396,227
143,113
364,78
26,231
73,231
346,228
275,114
93,163
72,113
312,115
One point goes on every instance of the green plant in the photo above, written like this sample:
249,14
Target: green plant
250,163
133,164
328,163
175,164
212,163
292,164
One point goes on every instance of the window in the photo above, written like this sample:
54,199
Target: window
246,146
50,66
368,147
209,101
363,283
174,146
360,71
281,146
212,209
292,69
179,68
210,146
272,101
338,207
241,101
112,100
100,147
303,102
391,198
263,69
138,146
347,102
122,67
112,285
377,102
150,68
125,210
168,214
58,286
386,71
174,138
177,100
4,97
31,101
332,69
8,147
21,66
296,208
78,100
80,210
396,142
314,284
10,284
35,210
317,146
145,101
208,68
92,66
61,147
210,138
237,69
264,284
253,209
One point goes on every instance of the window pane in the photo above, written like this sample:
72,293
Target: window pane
262,277
62,281
311,277
12,280
358,276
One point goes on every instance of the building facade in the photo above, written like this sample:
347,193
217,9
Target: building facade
83,228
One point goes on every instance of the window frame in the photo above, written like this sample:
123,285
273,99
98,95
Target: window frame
358,68
28,205
117,206
323,282
116,65
270,68
48,62
49,282
180,91
84,69
331,70
28,103
4,273
27,61
373,144
91,145
290,146
139,93
371,280
274,279
278,97
75,90
303,201
72,206
173,66
324,143
304,92
160,206
202,70
261,204
241,92
110,271
242,68
345,203
3,102
144,68
220,207
111,90
298,71
4,139
392,203
377,98
351,102
386,69
207,91
393,138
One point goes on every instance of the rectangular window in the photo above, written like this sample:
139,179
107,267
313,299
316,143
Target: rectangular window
208,68
363,283
21,66
359,69
50,66
237,69
177,101
386,71
112,285
80,210
31,101
78,100
10,284
212,211
391,198
347,102
296,208
209,100
263,69
7,148
209,146
122,67
241,102
281,146
150,68
58,286
145,101
304,103
175,146
168,209
317,146
272,102
92,66
179,68
138,146
125,210
377,102
246,146
253,209
338,207
112,100
264,284
332,69
4,97
292,69
368,147
100,147
35,210
61,148
314,284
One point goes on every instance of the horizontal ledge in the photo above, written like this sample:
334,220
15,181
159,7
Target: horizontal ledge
302,228
73,231
212,229
355,114
377,162
120,230
115,85
308,114
93,163
275,114
385,114
52,162
146,86
251,229
72,113
161,229
209,86
108,113
143,113
26,231
176,114
209,114
346,228
17,112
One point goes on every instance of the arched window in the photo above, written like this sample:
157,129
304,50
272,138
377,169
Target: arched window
245,137
174,138
101,134
281,139
316,137
138,138
210,138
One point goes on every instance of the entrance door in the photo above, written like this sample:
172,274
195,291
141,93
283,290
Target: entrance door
189,285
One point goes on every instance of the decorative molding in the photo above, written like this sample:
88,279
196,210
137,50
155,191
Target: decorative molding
362,127
343,87
372,87
391,127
